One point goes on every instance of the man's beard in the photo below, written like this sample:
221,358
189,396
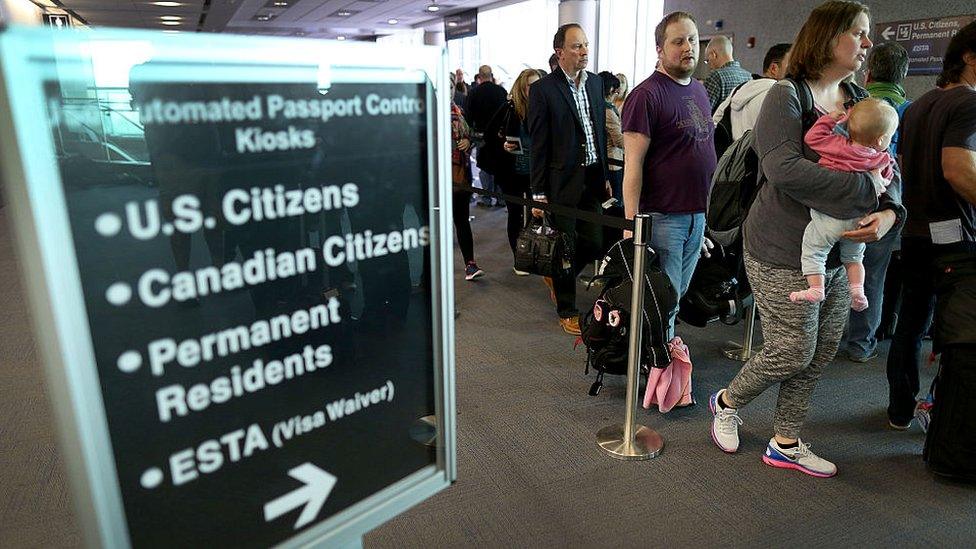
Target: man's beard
679,71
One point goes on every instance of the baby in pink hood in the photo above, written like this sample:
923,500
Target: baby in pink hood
870,124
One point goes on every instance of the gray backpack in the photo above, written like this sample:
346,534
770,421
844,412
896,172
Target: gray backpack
735,184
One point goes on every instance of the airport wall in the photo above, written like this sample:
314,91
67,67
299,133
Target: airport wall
771,22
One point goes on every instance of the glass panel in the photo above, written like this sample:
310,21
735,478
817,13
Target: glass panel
510,39
627,37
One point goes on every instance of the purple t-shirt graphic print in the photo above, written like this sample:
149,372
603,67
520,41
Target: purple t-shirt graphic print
677,171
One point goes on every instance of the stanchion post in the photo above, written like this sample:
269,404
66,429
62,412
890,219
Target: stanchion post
745,351
631,441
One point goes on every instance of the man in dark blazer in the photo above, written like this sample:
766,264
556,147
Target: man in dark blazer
567,128
484,101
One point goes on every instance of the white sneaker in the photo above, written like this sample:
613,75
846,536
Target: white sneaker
799,458
725,425
520,273
923,414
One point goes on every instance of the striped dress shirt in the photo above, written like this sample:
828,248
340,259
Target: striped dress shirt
582,101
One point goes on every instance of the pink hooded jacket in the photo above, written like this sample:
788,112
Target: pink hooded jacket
838,152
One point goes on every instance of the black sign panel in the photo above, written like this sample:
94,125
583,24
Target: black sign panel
258,296
461,25
925,40
57,20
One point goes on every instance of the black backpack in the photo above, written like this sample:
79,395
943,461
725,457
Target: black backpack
738,177
605,328
718,290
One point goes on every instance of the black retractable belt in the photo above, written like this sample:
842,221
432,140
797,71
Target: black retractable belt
566,211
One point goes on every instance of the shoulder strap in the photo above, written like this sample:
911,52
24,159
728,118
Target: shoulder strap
804,94
808,113
737,88
855,92
727,113
503,108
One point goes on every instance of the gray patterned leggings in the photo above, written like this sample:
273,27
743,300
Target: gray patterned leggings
799,339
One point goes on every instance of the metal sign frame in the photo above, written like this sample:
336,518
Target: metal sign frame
37,202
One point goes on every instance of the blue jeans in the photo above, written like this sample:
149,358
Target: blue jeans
677,239
862,326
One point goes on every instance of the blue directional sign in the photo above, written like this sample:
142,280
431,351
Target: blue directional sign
924,39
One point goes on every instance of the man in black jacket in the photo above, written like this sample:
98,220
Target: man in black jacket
484,101
567,126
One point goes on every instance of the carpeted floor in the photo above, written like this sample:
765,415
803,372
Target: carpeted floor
530,473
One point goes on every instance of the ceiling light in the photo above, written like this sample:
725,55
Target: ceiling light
452,23
167,4
340,38
170,17
343,13
171,23
280,4
392,21
171,31
433,7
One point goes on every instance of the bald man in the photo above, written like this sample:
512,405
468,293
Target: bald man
726,73
483,102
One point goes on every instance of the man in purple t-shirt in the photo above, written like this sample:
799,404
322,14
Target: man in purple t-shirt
669,153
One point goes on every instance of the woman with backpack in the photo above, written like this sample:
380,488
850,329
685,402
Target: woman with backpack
800,339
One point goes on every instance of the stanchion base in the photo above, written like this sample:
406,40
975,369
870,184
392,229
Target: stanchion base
647,443
736,352
424,430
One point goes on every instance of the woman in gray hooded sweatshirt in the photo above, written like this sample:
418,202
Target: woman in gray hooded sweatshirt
800,339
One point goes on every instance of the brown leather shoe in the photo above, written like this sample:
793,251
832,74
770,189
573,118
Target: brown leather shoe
570,325
552,290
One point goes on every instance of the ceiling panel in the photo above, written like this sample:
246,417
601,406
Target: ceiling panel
298,17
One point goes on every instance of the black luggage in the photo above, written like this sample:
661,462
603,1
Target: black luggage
718,289
605,326
543,250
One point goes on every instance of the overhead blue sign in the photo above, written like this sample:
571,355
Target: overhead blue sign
925,40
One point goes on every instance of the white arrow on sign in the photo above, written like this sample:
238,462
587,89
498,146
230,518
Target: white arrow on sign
886,34
318,486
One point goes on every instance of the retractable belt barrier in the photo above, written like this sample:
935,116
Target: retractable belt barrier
558,209
629,440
